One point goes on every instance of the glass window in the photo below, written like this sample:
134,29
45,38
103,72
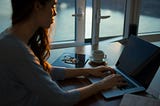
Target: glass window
5,14
114,25
88,19
149,22
64,28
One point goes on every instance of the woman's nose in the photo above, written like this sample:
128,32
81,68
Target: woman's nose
54,12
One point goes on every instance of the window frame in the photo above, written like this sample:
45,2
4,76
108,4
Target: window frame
132,14
79,27
131,19
131,23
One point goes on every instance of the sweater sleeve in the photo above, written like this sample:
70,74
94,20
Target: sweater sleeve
57,73
33,77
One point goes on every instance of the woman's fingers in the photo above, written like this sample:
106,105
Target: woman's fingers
111,70
119,84
120,81
113,80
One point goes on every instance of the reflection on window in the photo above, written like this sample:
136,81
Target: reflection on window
149,17
64,28
114,25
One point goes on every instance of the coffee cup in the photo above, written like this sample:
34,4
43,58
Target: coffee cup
98,55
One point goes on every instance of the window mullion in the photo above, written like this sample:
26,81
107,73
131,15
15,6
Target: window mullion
80,21
96,4
131,17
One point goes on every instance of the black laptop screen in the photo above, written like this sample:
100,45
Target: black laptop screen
140,60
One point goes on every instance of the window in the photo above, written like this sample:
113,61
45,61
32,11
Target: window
5,14
112,26
108,19
149,22
70,23
124,19
88,19
78,20
65,23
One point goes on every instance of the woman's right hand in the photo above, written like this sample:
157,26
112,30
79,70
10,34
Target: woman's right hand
111,81
106,83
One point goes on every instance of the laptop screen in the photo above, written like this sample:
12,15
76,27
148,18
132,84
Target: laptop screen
140,60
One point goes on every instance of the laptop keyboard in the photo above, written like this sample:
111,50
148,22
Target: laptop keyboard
128,86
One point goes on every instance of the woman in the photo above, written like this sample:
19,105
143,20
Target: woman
26,78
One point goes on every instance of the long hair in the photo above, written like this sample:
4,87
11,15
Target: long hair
39,42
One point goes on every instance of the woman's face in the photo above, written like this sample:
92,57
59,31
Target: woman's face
46,14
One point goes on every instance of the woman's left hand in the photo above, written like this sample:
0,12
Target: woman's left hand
101,71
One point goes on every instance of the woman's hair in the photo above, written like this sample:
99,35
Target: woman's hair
39,42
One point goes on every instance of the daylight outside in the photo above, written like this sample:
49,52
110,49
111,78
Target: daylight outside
64,28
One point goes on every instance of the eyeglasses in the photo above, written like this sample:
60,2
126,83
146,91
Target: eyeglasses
70,60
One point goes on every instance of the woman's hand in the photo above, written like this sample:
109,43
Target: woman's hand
101,71
113,80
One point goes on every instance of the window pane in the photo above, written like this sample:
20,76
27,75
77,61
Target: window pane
5,14
149,17
64,28
114,25
88,19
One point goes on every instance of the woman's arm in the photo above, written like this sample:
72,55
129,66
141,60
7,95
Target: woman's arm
105,84
39,82
69,72
100,71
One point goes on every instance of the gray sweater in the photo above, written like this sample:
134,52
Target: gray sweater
23,82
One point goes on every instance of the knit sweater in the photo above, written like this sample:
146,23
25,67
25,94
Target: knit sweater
23,82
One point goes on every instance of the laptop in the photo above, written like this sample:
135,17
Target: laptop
138,64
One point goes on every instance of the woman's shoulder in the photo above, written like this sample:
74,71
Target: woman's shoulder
11,47
8,42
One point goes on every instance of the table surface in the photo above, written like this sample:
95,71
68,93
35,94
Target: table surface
112,50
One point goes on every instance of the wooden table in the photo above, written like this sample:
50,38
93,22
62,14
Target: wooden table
112,50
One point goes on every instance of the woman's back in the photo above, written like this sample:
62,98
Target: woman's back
11,57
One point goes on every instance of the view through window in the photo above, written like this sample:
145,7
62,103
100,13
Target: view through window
149,22
5,14
114,25
64,28
88,19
